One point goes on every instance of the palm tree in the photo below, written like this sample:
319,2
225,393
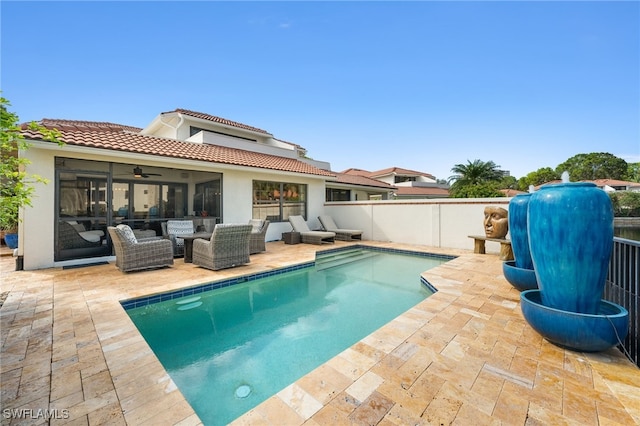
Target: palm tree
475,173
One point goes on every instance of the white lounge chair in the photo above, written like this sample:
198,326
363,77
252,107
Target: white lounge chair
341,234
307,235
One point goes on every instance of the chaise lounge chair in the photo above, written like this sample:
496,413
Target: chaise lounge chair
307,235
341,234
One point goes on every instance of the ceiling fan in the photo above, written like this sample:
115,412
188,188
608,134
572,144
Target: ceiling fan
137,173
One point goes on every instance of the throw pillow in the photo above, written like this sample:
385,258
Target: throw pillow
256,225
127,234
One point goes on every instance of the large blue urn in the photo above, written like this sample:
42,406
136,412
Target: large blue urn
570,237
518,207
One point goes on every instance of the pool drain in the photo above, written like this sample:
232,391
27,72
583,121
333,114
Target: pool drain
243,391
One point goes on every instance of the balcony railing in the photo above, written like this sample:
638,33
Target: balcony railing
623,287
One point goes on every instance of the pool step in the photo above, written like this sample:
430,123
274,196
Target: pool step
329,260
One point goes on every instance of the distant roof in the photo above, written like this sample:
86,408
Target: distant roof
598,182
421,190
356,172
400,171
215,119
117,137
387,171
614,182
512,192
362,181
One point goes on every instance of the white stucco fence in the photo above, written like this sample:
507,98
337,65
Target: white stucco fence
444,223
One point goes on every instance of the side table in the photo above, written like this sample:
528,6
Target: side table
291,237
188,243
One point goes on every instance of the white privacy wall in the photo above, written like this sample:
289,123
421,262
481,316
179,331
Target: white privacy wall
444,223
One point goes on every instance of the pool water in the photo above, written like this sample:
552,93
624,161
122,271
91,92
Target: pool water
232,348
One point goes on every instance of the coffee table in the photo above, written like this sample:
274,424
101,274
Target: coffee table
188,243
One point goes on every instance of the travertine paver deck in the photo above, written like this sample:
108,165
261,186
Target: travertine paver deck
465,356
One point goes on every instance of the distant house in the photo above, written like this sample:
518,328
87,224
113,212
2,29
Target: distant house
612,185
351,187
511,192
608,185
184,164
409,184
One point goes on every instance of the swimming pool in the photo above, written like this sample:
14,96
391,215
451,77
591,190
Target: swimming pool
231,348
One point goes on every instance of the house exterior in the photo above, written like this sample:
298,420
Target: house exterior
350,187
607,185
409,184
184,164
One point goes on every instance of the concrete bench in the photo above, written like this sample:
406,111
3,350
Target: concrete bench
506,253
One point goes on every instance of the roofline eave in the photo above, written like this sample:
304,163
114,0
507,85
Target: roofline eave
120,156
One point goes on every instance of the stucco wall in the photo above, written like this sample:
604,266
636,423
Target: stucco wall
36,232
443,223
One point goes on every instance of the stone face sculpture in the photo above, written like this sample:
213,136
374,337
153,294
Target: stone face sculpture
496,222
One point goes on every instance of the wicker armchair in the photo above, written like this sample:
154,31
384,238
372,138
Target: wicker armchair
228,247
307,235
133,255
172,229
258,235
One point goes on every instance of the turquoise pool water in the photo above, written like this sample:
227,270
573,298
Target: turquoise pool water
231,348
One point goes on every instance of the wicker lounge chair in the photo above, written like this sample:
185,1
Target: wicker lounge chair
258,234
228,247
72,245
341,234
133,254
307,235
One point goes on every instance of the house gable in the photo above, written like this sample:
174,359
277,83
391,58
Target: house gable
116,137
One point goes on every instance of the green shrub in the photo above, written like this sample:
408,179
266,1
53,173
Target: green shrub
625,203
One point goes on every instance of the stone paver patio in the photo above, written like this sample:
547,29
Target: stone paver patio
463,356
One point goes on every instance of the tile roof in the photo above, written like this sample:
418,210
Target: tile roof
356,172
362,181
117,137
598,182
95,126
219,120
512,192
387,171
422,190
400,171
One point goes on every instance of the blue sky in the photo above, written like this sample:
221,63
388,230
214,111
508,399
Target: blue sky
370,85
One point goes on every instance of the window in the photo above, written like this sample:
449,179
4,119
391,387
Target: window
195,130
81,214
207,201
145,205
276,201
400,179
333,194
